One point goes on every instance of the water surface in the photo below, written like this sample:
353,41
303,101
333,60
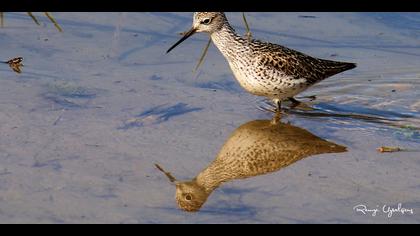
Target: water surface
99,104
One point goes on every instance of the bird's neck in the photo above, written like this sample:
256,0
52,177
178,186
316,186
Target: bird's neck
214,175
229,42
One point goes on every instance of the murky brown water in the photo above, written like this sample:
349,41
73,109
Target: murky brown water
96,106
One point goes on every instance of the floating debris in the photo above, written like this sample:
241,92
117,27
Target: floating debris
59,117
158,114
306,16
15,64
389,149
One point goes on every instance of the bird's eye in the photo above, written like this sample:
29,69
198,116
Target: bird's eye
206,21
188,197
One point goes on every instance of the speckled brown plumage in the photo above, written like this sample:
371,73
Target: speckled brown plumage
255,148
262,68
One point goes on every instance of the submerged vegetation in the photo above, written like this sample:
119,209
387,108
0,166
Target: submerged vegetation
47,14
16,63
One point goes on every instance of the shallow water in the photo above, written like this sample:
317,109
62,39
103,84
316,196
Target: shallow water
99,104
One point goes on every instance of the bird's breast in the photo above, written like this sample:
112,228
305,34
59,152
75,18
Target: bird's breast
244,75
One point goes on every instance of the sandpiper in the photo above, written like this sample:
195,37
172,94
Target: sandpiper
262,68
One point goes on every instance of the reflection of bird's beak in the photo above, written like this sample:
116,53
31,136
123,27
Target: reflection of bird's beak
186,35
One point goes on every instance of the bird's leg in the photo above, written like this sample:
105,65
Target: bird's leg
276,118
277,102
274,107
277,114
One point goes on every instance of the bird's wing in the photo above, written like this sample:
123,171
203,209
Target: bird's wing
297,65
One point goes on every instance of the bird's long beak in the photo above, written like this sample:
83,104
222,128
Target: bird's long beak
186,35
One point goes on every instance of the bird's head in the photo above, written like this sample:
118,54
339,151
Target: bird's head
208,22
190,196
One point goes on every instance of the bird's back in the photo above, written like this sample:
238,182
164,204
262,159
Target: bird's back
259,147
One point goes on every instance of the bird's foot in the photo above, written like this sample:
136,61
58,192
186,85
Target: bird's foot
272,108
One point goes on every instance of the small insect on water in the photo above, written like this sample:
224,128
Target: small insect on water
15,64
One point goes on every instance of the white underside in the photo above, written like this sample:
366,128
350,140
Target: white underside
284,91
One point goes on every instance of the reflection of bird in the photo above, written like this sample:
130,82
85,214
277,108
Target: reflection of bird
261,68
255,148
